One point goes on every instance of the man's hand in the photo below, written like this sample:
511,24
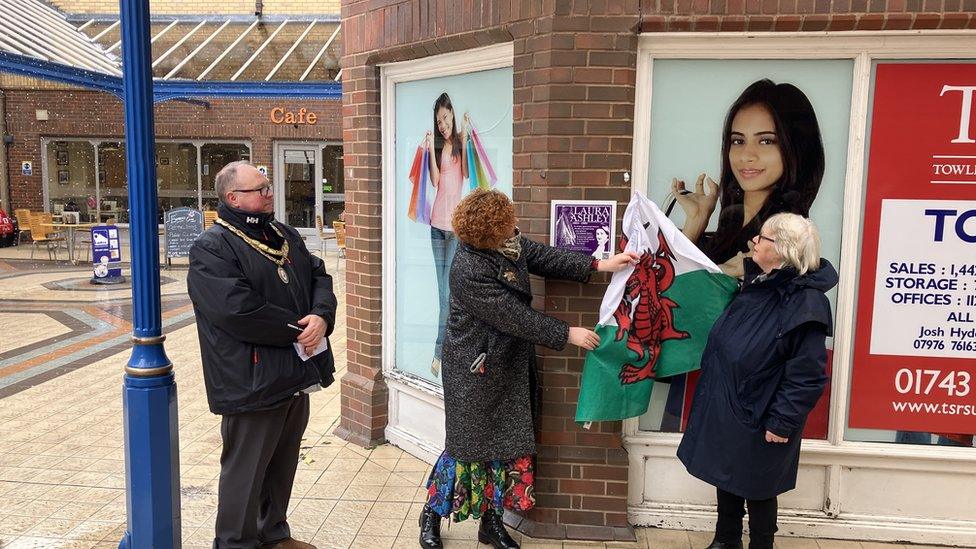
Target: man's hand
313,333
618,262
773,437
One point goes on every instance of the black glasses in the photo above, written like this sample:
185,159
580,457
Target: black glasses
265,190
760,237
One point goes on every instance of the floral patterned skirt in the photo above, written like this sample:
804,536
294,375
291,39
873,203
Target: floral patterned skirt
470,489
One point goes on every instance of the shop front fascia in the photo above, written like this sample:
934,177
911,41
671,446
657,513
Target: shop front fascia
854,482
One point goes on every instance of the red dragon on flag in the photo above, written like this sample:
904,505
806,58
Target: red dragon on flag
651,322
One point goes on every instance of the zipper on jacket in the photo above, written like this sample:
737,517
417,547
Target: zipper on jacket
254,355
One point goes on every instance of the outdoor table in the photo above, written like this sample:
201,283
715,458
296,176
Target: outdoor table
70,227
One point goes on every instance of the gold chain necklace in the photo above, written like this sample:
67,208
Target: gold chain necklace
278,257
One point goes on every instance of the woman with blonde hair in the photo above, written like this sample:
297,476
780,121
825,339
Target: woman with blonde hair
762,371
489,366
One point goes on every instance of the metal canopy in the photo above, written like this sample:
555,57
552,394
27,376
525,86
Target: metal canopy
232,48
33,29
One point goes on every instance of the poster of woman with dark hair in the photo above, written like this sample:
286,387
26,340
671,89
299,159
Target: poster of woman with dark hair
772,162
735,142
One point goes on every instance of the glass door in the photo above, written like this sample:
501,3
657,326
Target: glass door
333,184
297,196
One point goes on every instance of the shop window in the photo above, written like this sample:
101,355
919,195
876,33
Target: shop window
333,185
425,242
215,156
113,182
176,176
71,178
689,113
913,370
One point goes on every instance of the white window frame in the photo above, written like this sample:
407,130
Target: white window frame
405,386
863,48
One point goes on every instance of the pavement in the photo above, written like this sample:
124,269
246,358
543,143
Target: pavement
63,345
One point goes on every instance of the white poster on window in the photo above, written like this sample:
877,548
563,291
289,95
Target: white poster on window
925,293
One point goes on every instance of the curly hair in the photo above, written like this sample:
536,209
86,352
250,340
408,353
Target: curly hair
484,219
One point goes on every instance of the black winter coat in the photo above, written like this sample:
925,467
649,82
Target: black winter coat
763,368
489,414
242,310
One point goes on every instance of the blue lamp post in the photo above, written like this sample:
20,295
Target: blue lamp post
152,465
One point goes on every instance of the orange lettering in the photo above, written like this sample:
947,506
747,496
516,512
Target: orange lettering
276,115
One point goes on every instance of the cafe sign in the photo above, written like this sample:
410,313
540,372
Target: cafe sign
281,115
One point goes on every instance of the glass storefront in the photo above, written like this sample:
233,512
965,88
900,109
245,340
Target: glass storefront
88,176
215,156
299,187
333,185
113,185
71,178
176,176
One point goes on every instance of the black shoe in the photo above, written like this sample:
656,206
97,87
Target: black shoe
430,529
725,545
492,532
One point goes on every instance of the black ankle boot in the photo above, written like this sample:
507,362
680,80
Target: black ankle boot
430,529
725,545
493,532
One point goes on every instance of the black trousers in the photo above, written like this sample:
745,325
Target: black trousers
762,520
257,471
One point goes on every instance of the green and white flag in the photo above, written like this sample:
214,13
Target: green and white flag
655,317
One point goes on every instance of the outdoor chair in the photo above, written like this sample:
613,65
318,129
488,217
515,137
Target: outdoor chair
23,222
340,236
323,236
45,235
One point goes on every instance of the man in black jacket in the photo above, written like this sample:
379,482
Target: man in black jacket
257,292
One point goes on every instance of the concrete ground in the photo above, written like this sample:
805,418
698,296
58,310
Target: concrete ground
63,345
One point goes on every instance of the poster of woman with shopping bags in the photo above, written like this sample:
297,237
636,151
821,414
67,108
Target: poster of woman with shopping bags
462,142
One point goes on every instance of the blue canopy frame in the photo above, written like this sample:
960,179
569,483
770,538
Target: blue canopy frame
165,90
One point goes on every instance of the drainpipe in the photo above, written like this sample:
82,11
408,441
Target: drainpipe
4,175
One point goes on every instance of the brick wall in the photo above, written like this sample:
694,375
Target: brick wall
80,113
200,7
806,15
574,92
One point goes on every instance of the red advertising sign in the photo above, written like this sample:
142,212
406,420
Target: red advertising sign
915,341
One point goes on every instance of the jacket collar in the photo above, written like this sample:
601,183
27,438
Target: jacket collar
255,225
787,279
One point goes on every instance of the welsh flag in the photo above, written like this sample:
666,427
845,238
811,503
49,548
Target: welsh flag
655,317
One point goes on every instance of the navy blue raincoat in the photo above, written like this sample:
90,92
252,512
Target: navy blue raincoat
763,368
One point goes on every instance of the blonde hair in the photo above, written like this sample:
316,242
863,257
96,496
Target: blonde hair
797,241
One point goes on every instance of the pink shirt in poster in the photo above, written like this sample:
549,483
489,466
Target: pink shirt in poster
448,192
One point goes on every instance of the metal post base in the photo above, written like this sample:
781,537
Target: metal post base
152,465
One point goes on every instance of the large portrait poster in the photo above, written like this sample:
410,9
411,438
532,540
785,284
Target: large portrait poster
745,139
453,134
915,341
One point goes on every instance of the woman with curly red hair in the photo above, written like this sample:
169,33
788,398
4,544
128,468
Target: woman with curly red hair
489,366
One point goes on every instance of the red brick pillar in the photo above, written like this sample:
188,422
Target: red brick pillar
574,105
363,391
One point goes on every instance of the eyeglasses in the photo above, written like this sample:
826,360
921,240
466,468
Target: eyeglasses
760,237
264,190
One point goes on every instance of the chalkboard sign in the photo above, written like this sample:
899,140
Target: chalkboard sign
182,226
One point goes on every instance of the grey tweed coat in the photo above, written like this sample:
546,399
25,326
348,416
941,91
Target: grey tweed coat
489,410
